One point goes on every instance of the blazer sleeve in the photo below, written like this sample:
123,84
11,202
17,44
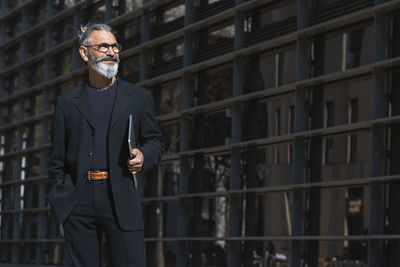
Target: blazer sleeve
151,142
57,156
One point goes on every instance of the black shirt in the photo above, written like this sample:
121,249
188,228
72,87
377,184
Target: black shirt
101,104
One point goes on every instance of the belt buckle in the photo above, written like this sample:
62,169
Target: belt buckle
89,175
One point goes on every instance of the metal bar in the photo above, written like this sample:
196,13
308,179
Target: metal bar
341,129
244,238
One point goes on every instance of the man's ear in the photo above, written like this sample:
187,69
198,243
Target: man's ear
84,53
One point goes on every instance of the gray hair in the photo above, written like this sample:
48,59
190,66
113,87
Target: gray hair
86,30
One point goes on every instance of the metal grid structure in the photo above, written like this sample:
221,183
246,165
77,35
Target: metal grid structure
280,119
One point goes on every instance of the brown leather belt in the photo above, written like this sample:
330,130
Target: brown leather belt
97,175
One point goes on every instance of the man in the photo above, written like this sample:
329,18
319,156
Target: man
90,164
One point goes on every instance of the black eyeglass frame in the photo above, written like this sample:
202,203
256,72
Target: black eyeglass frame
106,47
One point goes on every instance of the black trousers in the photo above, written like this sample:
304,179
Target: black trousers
92,216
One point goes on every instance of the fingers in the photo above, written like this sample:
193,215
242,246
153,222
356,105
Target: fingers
136,152
135,163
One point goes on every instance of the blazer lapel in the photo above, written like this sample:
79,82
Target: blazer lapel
122,101
81,101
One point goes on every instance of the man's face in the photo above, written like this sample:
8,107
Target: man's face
104,63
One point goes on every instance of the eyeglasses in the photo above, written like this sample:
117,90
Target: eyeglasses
103,47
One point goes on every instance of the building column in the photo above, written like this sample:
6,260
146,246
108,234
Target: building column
76,58
145,36
109,10
185,133
235,204
183,218
42,194
299,160
377,190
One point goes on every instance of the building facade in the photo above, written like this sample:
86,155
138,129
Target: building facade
280,117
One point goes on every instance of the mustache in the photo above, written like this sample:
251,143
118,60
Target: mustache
103,58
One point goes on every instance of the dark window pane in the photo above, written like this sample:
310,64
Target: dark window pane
213,84
267,118
352,49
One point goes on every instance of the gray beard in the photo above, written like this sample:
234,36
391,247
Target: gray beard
106,70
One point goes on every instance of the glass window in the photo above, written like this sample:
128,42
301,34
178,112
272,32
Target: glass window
214,41
165,183
393,34
61,64
167,97
270,21
171,134
353,48
60,5
206,134
36,44
209,173
12,56
213,85
323,10
173,13
37,14
28,107
94,12
11,84
166,58
34,74
264,253
208,8
33,170
11,141
334,165
270,15
129,33
343,211
13,27
172,50
62,31
13,112
131,68
132,4
341,95
261,168
266,118
215,34
171,173
269,70
339,253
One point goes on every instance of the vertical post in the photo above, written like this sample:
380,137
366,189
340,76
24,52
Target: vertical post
3,10
234,223
182,257
18,217
109,10
299,161
3,223
41,219
145,36
185,133
121,7
76,59
376,219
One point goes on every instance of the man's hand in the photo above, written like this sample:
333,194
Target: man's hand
135,163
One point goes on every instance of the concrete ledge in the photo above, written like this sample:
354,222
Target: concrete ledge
26,265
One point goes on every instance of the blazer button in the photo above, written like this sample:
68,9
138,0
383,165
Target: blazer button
90,155
92,133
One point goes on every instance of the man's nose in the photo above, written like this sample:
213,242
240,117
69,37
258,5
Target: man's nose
110,52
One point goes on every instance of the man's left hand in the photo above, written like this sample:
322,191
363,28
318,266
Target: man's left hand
135,162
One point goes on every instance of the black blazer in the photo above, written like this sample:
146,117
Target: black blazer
73,144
